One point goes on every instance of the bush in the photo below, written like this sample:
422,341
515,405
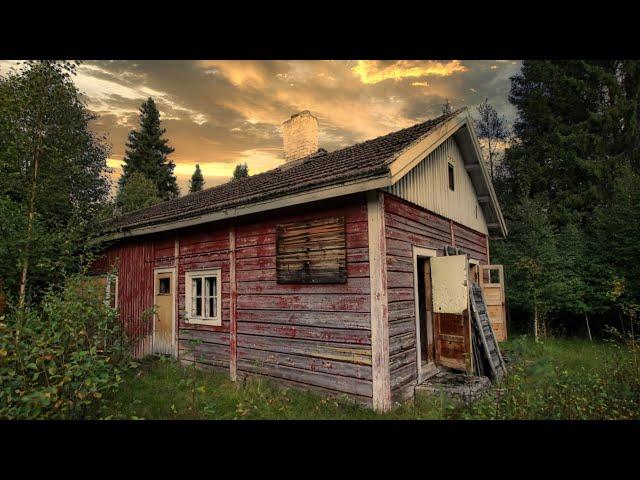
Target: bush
58,360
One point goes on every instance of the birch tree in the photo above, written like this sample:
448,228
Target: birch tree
53,172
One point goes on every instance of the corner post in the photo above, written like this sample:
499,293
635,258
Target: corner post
379,302
233,307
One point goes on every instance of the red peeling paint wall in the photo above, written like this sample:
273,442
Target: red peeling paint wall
315,337
408,225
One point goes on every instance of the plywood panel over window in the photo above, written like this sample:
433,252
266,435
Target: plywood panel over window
312,251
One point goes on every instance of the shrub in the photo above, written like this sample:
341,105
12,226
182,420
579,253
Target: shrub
59,359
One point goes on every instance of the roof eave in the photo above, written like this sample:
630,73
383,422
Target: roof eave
322,193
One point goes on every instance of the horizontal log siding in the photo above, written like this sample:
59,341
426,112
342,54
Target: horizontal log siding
203,248
409,225
310,336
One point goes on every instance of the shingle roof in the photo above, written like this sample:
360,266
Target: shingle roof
367,159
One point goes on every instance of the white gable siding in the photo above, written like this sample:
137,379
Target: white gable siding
427,185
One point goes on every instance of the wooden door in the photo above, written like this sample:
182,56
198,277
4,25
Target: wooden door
450,297
492,284
164,321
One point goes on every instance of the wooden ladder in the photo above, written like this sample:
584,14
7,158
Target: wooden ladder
486,341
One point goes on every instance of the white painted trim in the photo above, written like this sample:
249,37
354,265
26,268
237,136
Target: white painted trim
174,279
107,290
419,149
381,374
208,272
419,252
346,188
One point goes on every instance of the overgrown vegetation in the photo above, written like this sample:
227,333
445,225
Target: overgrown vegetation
555,379
569,187
54,185
58,359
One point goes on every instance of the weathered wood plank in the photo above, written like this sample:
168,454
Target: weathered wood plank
333,382
379,303
325,303
334,367
357,354
312,251
346,320
360,337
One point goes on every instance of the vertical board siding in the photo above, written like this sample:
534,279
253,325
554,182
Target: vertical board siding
427,185
408,225
133,261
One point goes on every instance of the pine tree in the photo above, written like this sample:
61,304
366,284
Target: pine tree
147,152
241,171
531,256
197,180
576,142
139,192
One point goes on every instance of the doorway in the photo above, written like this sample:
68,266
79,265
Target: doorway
164,320
425,350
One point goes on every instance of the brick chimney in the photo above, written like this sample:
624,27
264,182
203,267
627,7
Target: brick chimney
300,135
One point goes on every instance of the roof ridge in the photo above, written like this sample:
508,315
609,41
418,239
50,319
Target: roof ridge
359,159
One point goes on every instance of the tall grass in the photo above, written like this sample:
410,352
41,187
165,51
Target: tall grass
553,379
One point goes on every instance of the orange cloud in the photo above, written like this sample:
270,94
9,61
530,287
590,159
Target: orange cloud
374,71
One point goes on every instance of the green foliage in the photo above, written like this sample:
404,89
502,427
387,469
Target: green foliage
576,152
197,180
58,360
241,171
559,378
138,192
147,152
54,175
532,259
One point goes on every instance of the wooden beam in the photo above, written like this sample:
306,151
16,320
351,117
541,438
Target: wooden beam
176,296
453,236
379,303
484,198
233,307
493,225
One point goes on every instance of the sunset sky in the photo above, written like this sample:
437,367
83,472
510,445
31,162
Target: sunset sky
220,113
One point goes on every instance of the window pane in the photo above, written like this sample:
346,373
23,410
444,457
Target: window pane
165,286
212,307
197,286
112,292
451,178
211,286
199,306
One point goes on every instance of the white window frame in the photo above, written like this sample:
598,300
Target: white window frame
188,280
107,295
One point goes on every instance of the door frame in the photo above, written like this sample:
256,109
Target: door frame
418,253
174,271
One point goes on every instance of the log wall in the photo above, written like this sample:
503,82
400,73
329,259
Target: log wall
408,225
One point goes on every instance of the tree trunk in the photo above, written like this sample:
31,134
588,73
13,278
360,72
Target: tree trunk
535,323
624,332
32,202
586,320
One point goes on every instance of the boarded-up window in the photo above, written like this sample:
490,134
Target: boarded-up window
312,252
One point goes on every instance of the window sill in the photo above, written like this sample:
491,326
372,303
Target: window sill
200,321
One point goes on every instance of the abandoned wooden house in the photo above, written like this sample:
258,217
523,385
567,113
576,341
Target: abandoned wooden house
346,271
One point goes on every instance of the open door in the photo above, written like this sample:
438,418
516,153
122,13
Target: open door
492,284
452,332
